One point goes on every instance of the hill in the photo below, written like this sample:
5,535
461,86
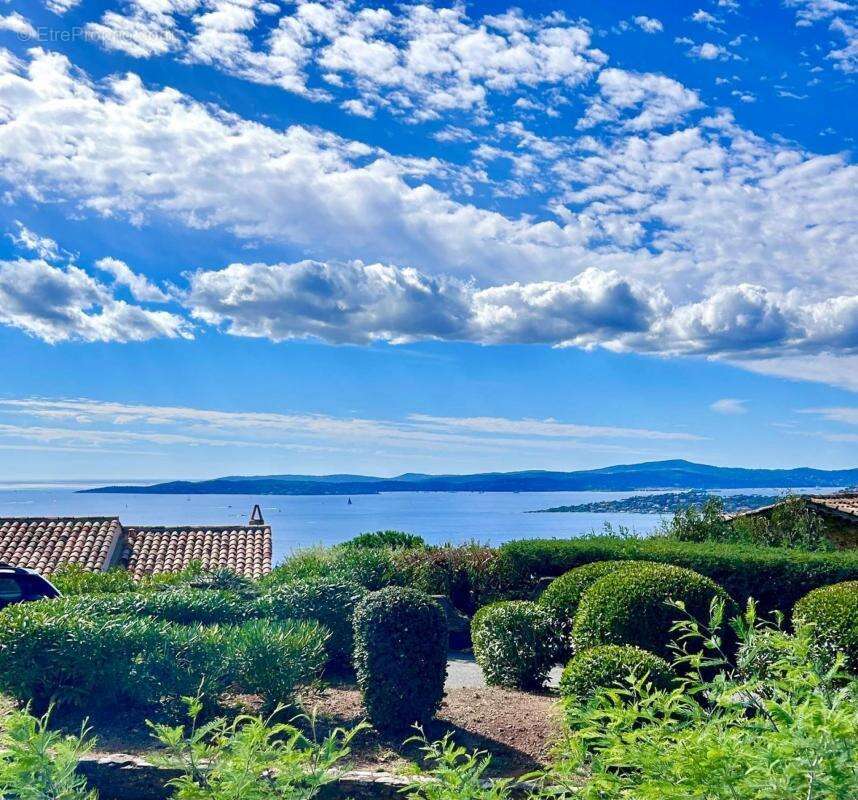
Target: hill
674,474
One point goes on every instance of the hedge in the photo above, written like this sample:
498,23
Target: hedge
609,666
833,611
776,577
400,656
515,643
329,602
630,606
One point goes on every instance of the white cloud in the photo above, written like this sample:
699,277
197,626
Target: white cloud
43,246
810,11
416,60
61,304
140,286
847,415
708,51
704,17
640,101
16,23
729,406
846,58
649,24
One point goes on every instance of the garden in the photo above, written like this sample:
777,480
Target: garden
611,667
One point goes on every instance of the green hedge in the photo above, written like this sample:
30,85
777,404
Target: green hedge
776,577
630,606
400,656
563,594
833,611
329,602
609,666
515,643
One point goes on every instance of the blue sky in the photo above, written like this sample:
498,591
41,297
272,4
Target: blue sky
245,236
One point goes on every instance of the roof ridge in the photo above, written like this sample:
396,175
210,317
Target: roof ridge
201,527
63,519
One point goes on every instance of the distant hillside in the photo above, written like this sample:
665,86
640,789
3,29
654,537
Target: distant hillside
675,474
668,503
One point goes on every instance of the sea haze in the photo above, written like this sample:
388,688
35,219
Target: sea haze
300,521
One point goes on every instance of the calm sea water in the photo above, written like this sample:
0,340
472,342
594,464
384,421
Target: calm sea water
439,517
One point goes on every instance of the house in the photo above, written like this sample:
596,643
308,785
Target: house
840,512
101,543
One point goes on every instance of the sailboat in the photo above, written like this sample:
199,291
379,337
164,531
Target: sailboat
350,501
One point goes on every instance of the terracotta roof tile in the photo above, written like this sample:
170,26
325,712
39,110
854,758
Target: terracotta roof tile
244,550
44,543
841,504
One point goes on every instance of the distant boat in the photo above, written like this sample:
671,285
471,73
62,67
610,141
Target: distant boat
350,501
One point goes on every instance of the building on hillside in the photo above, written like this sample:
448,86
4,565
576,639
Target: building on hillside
101,543
840,512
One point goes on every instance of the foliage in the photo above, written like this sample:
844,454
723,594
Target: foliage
466,574
391,539
791,523
400,656
631,606
304,564
249,758
776,577
330,602
224,580
37,763
833,613
454,773
563,594
612,665
788,733
272,659
515,643
73,579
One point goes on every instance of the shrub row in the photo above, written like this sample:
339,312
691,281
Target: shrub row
777,578
52,653
833,612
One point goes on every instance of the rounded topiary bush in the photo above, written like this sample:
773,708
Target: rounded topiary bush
630,606
515,643
609,666
330,602
400,656
833,612
563,594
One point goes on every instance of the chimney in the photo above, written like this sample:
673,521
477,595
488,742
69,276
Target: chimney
256,516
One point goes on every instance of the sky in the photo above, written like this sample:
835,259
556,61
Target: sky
258,237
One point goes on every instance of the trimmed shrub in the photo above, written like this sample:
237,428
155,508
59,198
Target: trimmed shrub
393,539
631,606
272,659
609,666
776,577
400,656
833,612
515,643
563,594
305,564
330,602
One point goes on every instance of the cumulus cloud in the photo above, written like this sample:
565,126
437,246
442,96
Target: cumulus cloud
16,23
43,246
60,304
649,24
415,59
641,101
140,287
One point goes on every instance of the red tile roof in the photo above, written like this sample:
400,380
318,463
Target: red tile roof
45,543
245,550
843,505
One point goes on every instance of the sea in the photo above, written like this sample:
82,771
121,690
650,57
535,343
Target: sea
302,521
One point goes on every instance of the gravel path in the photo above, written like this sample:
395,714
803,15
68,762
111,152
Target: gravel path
463,672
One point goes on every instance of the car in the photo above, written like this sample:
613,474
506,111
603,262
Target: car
19,585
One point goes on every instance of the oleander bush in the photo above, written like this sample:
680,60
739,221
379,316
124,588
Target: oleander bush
833,614
329,602
273,658
612,665
776,577
398,540
563,594
515,642
631,606
400,656
73,579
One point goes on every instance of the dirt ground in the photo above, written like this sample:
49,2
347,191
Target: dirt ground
516,728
